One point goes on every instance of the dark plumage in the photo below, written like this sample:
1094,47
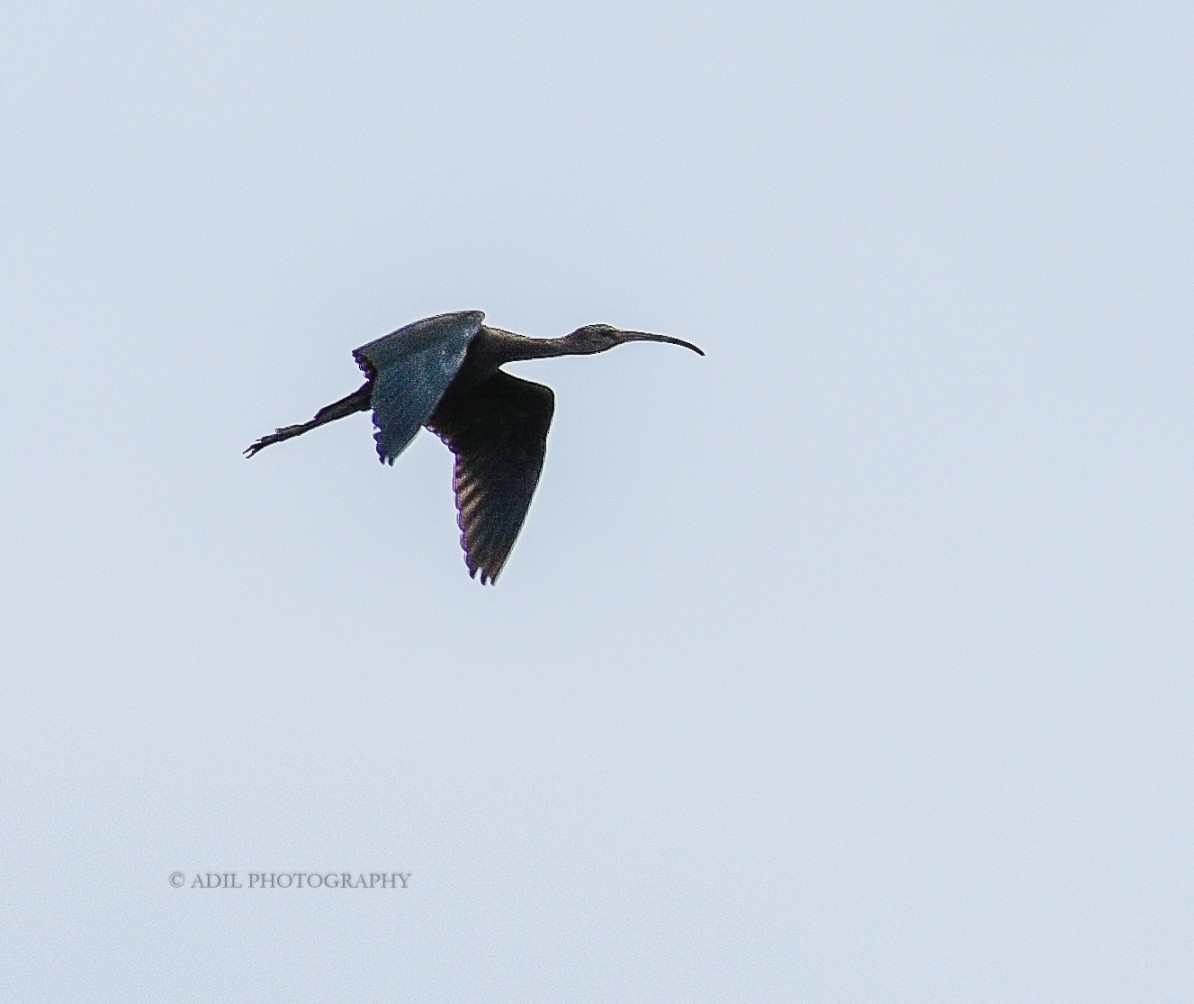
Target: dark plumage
444,373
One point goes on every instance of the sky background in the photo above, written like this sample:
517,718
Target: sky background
851,662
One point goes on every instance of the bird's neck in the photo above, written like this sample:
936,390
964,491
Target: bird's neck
515,347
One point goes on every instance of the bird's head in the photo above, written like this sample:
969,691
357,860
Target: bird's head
600,337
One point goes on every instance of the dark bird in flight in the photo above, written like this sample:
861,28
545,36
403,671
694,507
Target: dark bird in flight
444,373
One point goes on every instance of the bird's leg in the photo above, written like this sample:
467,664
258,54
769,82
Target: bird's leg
358,400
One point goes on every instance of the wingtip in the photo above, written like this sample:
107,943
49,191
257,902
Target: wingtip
478,571
382,456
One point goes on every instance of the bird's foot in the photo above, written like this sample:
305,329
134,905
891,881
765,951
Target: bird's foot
274,437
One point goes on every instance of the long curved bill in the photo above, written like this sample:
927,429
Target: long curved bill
646,336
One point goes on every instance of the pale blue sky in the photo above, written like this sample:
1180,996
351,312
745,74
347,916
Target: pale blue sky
850,662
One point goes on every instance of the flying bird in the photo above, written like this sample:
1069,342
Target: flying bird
445,373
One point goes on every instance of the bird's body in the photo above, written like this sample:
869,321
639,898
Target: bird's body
444,373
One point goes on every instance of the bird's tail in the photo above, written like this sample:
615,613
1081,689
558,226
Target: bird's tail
358,400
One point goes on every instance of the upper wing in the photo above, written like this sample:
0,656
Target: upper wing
498,431
411,368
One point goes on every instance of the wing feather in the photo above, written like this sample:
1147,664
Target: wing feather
498,432
411,368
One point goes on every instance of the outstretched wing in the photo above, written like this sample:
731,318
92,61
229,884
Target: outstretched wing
410,369
498,431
